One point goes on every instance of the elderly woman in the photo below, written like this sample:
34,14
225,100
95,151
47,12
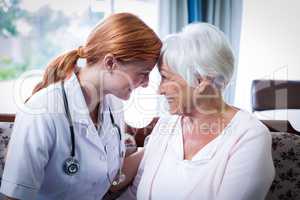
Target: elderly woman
206,149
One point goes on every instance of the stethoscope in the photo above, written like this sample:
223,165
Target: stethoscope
71,165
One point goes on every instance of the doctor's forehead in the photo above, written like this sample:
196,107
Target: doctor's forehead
147,65
163,66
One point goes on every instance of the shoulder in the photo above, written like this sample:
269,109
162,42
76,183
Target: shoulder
248,132
164,128
166,125
48,100
40,112
31,122
247,124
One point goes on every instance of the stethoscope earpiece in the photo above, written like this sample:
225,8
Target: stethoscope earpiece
71,166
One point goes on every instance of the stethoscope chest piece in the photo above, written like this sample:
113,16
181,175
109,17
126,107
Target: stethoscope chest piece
71,166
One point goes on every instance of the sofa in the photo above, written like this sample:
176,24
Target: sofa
273,95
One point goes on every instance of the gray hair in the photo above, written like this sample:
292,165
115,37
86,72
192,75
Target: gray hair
200,49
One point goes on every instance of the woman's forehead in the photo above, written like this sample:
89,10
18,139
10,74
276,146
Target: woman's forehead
163,66
168,71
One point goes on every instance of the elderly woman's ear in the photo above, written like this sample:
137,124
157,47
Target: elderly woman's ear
206,86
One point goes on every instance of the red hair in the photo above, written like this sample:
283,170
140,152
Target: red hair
124,35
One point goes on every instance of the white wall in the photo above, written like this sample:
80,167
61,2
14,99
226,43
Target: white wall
270,44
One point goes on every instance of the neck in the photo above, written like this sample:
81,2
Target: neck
92,91
208,110
210,123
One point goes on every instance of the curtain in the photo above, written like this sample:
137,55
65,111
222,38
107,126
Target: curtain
195,10
172,17
227,15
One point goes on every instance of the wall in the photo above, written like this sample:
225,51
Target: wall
270,44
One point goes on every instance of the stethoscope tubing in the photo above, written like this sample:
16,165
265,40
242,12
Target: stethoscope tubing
69,118
72,134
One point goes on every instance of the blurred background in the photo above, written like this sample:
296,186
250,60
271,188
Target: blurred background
264,36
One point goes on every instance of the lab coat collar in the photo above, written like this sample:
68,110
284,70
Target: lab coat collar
77,105
80,114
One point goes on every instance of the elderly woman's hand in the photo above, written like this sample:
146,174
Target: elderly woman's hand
130,144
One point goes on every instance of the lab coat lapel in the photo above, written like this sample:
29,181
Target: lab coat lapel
116,107
80,113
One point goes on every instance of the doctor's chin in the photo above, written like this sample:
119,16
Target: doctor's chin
149,100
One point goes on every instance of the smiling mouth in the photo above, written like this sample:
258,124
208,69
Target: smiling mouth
170,99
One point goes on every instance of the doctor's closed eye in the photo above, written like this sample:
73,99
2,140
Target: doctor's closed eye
144,74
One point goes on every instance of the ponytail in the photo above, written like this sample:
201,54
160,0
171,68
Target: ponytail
59,69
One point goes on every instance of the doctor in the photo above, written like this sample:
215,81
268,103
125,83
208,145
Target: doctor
69,143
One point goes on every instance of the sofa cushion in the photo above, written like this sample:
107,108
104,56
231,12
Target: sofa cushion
5,132
286,157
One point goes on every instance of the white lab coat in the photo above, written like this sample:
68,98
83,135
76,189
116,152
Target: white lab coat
41,142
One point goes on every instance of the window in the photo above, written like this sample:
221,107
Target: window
33,32
143,101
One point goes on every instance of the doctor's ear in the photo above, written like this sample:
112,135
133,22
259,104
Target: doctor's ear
109,62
